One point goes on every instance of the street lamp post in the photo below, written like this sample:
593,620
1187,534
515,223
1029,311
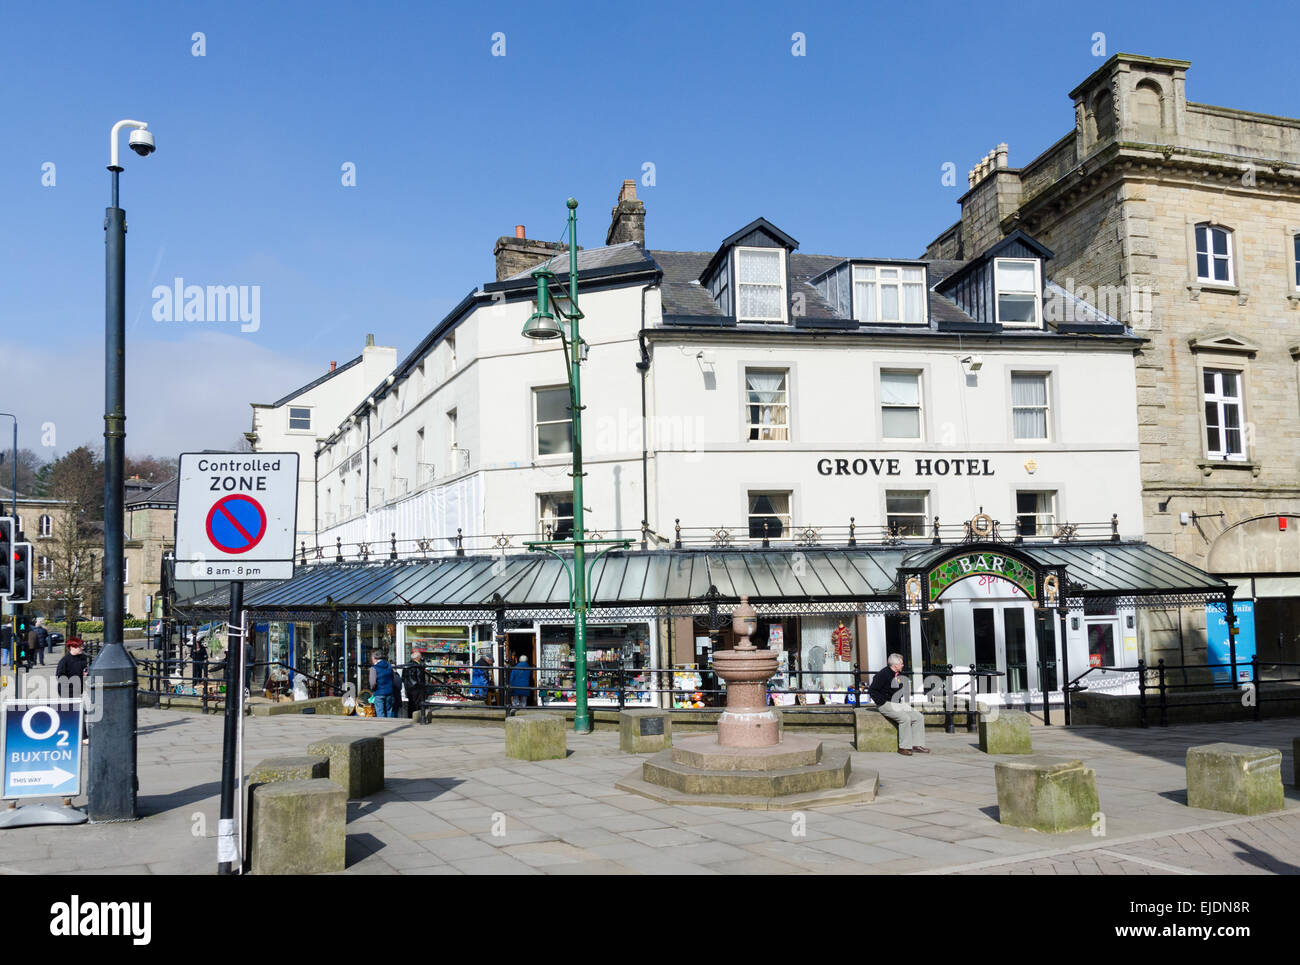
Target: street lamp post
542,325
112,785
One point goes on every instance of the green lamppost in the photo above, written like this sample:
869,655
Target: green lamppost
543,325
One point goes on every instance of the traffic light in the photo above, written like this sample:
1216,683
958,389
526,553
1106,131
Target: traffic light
20,590
20,639
7,534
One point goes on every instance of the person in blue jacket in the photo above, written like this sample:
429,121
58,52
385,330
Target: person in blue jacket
478,679
521,682
381,683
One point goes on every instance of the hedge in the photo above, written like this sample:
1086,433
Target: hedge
88,626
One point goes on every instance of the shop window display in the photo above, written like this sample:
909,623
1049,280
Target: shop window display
616,654
448,659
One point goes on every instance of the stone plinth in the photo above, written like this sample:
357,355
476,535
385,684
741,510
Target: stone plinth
536,737
706,753
1006,732
357,765
873,731
1235,778
298,828
304,767
1046,793
644,730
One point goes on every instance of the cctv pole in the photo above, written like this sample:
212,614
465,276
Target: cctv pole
112,784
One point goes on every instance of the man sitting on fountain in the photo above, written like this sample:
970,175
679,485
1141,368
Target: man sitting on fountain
889,689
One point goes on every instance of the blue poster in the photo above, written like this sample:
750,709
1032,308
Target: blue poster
1216,625
42,748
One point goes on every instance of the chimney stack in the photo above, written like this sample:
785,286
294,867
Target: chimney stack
627,220
333,365
518,254
370,341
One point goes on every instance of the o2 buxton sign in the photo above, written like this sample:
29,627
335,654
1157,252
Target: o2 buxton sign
867,466
236,514
983,563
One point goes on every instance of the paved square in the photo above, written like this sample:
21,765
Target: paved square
454,804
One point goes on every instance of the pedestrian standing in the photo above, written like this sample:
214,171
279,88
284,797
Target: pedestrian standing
42,639
521,682
381,683
413,679
199,655
71,672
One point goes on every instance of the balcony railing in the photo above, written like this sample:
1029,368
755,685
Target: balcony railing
740,536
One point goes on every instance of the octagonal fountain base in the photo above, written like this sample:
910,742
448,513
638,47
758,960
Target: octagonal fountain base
799,772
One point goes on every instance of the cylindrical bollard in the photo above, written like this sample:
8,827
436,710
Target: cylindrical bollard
112,784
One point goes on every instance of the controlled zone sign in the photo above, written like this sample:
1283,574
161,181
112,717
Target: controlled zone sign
42,748
236,515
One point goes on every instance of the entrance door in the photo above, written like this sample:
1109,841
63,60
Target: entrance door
1015,648
989,652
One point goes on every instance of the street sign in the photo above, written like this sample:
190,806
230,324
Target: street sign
236,515
42,748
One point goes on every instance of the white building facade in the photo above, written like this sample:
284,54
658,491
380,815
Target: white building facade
752,396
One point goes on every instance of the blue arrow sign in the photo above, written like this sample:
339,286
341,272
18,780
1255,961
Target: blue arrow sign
42,748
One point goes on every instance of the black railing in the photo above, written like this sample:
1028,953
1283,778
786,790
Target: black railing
207,678
1154,686
623,690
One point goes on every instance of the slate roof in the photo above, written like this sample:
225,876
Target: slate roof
161,496
338,370
628,255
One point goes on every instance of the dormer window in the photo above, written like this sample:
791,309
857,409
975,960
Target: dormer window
760,285
1019,292
885,293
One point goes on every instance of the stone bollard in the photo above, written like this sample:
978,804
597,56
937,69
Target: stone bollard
290,768
873,731
1007,732
298,828
644,730
1235,778
1046,794
357,765
536,737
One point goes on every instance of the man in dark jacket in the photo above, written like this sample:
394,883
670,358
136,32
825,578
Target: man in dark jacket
889,691
71,672
42,639
521,682
413,681
381,683
199,655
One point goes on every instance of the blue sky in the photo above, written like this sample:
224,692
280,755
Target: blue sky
843,148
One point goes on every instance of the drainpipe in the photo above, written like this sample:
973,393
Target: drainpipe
369,410
315,503
643,366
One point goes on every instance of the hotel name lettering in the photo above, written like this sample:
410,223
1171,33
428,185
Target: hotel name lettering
866,466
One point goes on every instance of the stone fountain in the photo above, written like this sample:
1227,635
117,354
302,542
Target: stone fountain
749,762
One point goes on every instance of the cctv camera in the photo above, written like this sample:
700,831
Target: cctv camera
141,142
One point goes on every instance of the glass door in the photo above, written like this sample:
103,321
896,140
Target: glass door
1017,652
1101,642
986,646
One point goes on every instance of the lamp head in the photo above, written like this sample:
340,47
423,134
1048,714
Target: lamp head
541,324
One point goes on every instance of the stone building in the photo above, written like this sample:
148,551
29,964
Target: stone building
1182,219
150,534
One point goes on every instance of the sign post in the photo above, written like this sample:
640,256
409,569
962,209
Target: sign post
236,514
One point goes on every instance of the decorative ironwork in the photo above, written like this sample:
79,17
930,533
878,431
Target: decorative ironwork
721,537
853,540
392,552
895,537
1066,533
338,556
809,537
502,542
982,528
936,541
363,550
677,527
423,545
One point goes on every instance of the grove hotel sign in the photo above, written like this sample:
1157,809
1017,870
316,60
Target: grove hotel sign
981,563
867,466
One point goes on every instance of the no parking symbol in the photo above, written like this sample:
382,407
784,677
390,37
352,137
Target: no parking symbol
236,523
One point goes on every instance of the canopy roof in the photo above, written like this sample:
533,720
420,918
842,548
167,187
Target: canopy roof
810,575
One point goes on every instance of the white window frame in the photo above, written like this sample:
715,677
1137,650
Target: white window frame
538,423
46,525
785,518
291,417
772,429
1221,402
1046,407
1210,255
1038,292
924,515
541,513
1044,523
920,404
1295,259
878,284
738,285
44,568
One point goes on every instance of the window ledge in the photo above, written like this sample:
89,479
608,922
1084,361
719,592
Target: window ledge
1294,299
1200,285
1208,466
